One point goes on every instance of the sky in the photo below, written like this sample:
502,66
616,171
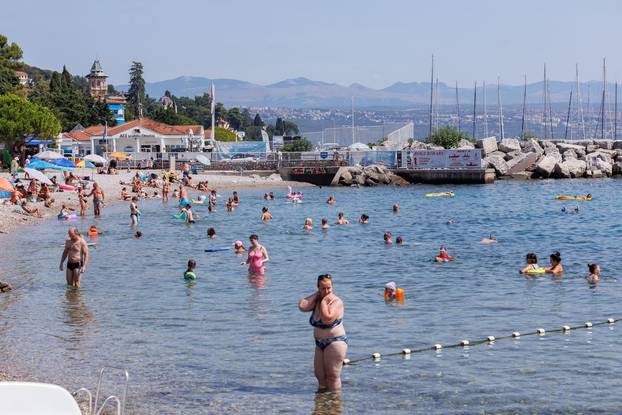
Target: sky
344,41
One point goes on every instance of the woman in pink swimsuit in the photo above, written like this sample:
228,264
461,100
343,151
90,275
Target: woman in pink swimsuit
257,256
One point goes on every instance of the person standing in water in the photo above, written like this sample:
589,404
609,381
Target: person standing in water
134,212
98,198
594,276
165,188
341,219
556,265
257,256
331,342
77,254
265,215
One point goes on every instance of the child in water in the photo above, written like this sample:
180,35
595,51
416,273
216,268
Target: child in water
594,276
393,292
388,238
189,275
532,264
325,224
238,246
399,240
443,255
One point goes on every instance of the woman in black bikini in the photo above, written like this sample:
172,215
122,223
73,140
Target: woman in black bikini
331,342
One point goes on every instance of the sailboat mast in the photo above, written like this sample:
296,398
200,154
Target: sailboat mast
544,117
500,108
431,96
485,112
548,93
352,119
458,106
615,114
602,109
436,105
522,123
580,105
568,117
474,107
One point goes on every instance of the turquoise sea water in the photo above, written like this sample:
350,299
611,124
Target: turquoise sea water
230,344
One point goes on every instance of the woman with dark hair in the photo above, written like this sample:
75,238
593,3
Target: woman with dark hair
556,264
594,273
257,256
331,342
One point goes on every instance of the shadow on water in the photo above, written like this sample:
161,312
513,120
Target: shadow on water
78,317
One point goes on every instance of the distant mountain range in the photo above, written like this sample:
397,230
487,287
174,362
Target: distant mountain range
306,93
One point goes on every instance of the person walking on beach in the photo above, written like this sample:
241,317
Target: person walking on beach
98,198
331,342
77,254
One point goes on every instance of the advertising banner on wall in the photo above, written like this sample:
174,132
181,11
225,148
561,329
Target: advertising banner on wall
429,159
443,159
464,159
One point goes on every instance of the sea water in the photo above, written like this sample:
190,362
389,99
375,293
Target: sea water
234,344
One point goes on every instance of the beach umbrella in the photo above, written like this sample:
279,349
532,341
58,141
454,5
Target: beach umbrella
44,165
6,188
48,155
203,160
85,164
120,156
37,175
95,159
63,162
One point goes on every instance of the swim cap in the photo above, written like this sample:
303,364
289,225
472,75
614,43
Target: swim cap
391,286
237,243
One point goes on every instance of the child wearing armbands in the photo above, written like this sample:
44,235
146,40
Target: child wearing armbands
393,292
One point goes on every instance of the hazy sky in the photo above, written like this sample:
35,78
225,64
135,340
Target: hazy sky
343,41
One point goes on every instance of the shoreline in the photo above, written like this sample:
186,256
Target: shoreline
12,217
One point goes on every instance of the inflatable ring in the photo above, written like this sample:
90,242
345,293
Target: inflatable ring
536,271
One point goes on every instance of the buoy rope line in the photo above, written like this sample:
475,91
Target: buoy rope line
488,340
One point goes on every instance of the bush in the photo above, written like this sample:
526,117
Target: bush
222,134
447,137
299,145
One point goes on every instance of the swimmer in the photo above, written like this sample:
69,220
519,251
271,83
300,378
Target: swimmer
189,215
175,194
64,212
265,215
93,231
236,199
229,205
443,255
238,246
396,208
393,292
331,200
134,212
556,264
325,224
331,342
532,263
308,224
450,222
399,240
257,257
576,209
594,276
364,219
388,238
490,240
564,209
138,235
211,233
189,275
341,220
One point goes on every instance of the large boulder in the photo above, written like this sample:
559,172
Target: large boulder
616,168
617,145
532,146
548,144
583,143
512,155
590,148
594,174
561,171
488,145
360,179
508,145
578,150
599,155
346,177
576,168
604,144
604,166
521,162
497,163
569,154
465,144
553,152
546,166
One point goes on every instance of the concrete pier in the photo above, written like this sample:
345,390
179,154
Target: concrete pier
447,176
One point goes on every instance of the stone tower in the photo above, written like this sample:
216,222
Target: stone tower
98,85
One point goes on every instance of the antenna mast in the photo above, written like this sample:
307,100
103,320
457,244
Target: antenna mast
522,124
458,106
485,112
431,96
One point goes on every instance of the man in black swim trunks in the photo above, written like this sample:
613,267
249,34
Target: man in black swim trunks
77,254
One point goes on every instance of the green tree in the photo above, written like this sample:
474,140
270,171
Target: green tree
290,127
169,116
447,137
136,93
235,118
66,81
10,54
220,111
298,145
20,118
101,114
222,134
253,133
278,126
258,122
246,115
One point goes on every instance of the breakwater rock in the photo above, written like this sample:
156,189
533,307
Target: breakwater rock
558,159
372,175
